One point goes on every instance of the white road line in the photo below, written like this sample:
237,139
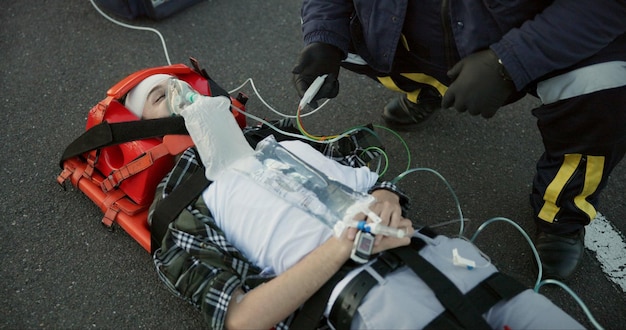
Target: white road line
609,245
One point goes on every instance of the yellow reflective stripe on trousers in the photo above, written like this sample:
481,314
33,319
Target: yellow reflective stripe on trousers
428,80
417,77
593,176
549,210
391,85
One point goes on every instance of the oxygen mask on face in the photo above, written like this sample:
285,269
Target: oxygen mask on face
179,95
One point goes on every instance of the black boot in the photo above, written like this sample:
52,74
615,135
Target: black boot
560,254
401,114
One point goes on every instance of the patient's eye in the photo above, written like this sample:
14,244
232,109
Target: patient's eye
156,102
160,98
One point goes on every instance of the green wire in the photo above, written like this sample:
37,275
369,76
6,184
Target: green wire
384,154
406,146
539,283
456,199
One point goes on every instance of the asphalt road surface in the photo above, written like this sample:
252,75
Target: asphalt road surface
62,269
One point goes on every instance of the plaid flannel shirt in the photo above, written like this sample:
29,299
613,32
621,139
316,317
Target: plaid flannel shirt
196,261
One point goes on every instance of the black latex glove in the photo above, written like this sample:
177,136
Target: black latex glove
315,60
479,86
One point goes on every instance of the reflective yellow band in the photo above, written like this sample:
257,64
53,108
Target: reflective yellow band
593,176
389,84
428,80
417,77
549,210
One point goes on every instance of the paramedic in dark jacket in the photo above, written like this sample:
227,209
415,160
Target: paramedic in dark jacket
477,56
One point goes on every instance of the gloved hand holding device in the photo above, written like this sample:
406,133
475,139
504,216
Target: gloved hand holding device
315,60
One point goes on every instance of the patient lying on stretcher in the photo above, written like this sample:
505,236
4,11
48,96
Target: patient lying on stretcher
258,232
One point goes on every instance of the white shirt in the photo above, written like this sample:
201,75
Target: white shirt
268,230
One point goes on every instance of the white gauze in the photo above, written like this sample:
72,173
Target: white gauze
215,132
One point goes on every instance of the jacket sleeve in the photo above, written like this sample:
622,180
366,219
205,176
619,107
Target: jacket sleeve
563,34
327,21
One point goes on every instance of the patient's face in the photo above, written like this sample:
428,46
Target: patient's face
156,102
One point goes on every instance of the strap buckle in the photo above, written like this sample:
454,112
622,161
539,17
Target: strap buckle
392,261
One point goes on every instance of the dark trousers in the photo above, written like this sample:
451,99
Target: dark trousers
409,75
584,139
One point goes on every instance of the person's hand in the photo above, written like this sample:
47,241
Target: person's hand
387,207
315,60
383,243
479,86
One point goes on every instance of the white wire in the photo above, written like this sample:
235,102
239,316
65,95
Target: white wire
300,136
167,57
134,27
249,80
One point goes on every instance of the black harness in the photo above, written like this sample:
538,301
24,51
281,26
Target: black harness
462,311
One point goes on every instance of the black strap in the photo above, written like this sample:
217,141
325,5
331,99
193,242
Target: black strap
487,293
214,88
350,298
458,305
108,134
461,311
309,316
170,207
